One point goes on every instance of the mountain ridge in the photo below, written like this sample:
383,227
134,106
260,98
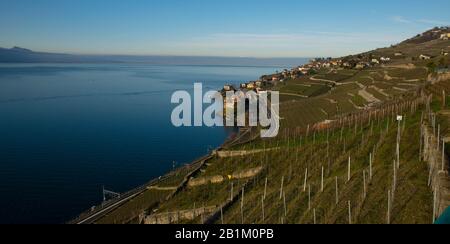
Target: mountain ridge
23,55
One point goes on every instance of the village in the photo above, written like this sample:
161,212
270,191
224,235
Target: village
353,62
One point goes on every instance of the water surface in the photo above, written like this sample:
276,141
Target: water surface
68,129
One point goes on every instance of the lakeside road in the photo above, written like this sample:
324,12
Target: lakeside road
103,210
90,219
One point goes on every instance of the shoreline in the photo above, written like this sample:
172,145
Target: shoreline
98,212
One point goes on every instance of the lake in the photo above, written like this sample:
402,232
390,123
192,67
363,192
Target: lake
66,130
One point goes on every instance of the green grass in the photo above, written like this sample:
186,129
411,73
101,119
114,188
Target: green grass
359,101
334,76
304,90
413,204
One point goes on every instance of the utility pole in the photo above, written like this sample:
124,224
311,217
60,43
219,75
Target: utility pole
263,211
265,190
364,182
281,188
443,155
231,192
309,197
349,169
306,180
314,215
349,212
399,120
438,138
322,184
337,191
389,208
444,98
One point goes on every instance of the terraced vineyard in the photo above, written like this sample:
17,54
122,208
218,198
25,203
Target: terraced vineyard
286,196
335,159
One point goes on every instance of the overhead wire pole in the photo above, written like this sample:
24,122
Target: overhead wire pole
103,192
443,155
399,120
110,193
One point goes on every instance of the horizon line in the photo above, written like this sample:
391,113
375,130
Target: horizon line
152,55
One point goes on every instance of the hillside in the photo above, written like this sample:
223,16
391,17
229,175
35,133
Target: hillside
335,159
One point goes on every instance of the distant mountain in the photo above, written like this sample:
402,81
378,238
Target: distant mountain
22,55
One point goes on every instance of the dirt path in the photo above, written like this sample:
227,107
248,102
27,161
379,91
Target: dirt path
293,94
400,89
304,85
400,66
379,90
368,96
354,105
313,78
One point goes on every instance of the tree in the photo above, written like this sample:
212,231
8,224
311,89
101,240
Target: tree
443,62
312,72
431,67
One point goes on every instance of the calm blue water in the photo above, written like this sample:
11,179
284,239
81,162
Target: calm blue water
66,130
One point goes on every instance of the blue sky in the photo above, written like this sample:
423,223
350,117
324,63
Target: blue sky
252,28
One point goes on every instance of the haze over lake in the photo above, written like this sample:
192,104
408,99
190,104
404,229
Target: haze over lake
68,129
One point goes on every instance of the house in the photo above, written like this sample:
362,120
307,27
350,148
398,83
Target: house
258,83
347,65
326,65
385,59
445,36
304,70
251,85
275,79
336,62
261,92
361,65
424,57
228,88
398,54
243,85
375,61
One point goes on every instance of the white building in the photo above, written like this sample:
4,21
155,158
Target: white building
445,36
424,57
